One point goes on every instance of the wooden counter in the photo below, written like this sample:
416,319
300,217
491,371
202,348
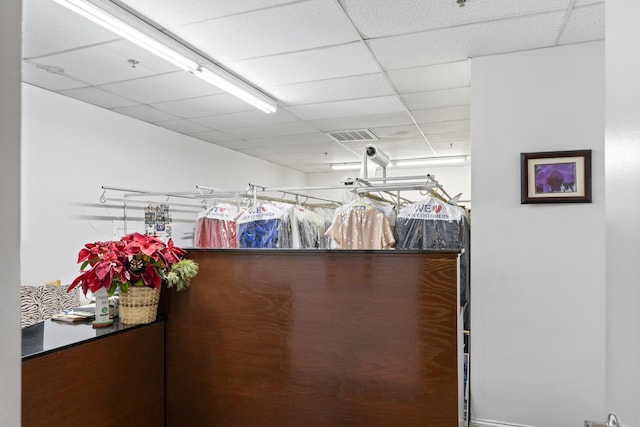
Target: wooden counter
112,378
315,338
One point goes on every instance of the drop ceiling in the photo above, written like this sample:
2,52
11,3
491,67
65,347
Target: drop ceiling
397,68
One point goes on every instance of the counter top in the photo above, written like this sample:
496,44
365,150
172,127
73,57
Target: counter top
49,335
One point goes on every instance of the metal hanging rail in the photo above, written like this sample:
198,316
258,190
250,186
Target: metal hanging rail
392,186
296,192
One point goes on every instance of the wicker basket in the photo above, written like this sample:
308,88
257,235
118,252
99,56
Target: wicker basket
139,305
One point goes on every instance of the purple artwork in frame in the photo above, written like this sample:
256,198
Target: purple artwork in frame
556,177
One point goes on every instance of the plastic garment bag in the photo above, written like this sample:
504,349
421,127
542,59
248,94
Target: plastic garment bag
260,227
285,236
216,227
308,228
433,224
359,225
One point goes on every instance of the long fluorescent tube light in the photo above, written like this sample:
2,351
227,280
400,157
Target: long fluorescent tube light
345,166
108,20
130,27
430,161
226,83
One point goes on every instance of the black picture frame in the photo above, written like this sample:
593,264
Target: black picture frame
556,177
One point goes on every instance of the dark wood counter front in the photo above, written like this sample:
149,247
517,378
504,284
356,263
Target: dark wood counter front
111,380
315,338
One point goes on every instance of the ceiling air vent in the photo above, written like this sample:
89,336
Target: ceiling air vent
353,135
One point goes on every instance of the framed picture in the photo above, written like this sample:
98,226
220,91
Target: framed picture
556,177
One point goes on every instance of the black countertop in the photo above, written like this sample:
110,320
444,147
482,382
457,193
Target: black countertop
51,335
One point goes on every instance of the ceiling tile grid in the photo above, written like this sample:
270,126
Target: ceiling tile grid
585,24
351,107
432,77
460,43
216,137
50,28
383,18
288,28
435,128
351,59
145,113
162,88
362,122
335,89
183,126
166,14
437,98
203,106
95,65
98,97
246,119
314,139
274,130
52,78
398,68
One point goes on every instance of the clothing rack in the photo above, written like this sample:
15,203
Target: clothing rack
134,199
197,200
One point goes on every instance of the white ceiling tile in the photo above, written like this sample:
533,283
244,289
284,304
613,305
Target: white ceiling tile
444,127
147,60
395,132
587,2
318,64
459,43
96,65
299,153
163,87
287,28
442,114
352,107
40,77
251,118
183,126
432,77
362,122
303,52
363,86
234,144
380,18
98,97
585,24
437,98
450,137
169,13
145,113
458,149
213,136
277,130
203,106
303,139
52,28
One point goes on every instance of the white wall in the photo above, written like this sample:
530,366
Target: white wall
71,149
623,210
537,271
10,30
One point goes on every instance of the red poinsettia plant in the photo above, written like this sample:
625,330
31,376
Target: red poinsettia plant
134,260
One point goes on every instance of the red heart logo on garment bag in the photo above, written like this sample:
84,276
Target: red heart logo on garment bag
437,208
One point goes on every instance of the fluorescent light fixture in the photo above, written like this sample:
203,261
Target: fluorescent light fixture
345,166
432,161
132,28
231,84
